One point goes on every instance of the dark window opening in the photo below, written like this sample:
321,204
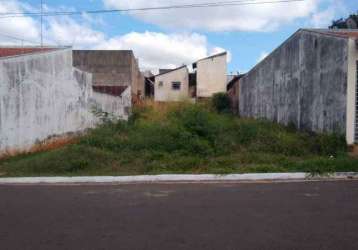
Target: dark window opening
176,85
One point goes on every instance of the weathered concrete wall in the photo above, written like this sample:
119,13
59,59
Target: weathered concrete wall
211,75
117,106
163,91
233,94
352,102
42,95
303,82
111,67
138,82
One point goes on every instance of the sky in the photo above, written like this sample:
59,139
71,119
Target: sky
171,38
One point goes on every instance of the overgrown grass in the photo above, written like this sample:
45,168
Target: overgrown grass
187,138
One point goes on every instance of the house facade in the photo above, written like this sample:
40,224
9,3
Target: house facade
207,78
310,81
211,75
172,85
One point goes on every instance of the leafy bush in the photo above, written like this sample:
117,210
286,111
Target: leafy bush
221,103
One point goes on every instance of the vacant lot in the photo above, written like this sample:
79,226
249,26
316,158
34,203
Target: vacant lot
186,138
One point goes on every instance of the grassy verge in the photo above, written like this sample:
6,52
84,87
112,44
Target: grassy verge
187,138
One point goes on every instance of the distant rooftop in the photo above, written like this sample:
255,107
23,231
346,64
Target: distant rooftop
169,71
15,51
213,56
163,71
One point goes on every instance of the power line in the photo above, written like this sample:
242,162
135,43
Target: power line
169,7
42,11
17,38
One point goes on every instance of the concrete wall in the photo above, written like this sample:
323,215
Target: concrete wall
233,94
303,82
117,106
138,81
111,67
42,95
352,133
165,93
211,75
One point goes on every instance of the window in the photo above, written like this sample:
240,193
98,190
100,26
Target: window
160,84
176,85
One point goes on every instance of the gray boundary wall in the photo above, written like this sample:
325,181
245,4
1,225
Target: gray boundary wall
42,96
111,67
303,82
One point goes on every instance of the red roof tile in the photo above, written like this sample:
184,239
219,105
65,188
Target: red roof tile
14,51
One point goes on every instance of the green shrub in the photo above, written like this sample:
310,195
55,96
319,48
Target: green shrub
188,138
221,103
329,144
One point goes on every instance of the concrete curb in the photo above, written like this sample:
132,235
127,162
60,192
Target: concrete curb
178,178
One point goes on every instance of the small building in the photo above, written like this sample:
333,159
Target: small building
310,81
207,78
352,22
211,75
172,85
111,68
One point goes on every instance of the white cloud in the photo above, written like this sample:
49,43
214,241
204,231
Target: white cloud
24,27
324,17
262,56
262,17
159,50
154,49
66,31
217,50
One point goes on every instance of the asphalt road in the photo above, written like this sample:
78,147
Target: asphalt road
309,215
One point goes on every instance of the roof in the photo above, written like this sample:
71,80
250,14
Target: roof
233,81
169,71
15,51
161,71
344,33
213,56
103,51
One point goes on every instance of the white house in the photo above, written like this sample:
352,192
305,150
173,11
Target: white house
211,75
172,85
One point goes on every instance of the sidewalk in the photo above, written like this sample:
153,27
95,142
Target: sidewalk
178,178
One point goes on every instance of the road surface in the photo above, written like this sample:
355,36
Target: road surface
303,215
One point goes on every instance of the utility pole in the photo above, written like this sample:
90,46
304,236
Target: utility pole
42,12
